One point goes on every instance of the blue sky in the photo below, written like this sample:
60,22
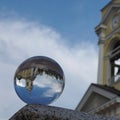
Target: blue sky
60,29
71,18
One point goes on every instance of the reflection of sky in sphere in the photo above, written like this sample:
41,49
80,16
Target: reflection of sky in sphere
45,90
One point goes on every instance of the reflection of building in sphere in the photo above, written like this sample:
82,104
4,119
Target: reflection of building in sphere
39,80
30,74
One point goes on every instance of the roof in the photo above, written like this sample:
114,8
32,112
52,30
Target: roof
106,5
103,90
108,88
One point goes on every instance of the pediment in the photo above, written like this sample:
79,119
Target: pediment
95,100
94,97
111,12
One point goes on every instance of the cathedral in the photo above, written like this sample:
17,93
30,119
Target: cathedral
103,98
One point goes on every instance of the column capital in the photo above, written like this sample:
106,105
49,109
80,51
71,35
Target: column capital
101,41
100,31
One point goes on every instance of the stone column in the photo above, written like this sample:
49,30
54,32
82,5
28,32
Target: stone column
100,30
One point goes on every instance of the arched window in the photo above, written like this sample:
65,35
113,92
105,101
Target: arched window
114,55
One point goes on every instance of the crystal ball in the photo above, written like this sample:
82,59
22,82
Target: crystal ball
39,80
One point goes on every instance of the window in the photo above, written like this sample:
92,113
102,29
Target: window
115,62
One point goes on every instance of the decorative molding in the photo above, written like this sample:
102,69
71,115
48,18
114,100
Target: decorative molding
100,28
100,31
101,41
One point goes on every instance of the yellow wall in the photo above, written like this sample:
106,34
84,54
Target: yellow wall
109,41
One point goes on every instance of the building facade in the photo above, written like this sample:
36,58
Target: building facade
104,97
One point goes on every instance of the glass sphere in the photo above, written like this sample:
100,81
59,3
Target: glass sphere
39,80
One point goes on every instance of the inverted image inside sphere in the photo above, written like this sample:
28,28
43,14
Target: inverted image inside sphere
39,80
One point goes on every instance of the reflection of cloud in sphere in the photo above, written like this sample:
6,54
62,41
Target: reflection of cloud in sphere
39,80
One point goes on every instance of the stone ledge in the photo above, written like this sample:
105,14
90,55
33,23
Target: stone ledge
43,112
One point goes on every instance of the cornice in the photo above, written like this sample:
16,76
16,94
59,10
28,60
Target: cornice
101,42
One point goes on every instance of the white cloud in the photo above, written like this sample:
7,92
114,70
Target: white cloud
21,39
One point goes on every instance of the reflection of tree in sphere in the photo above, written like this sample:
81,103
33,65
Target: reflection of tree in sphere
39,80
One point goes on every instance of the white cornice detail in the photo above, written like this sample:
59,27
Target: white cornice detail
100,27
100,31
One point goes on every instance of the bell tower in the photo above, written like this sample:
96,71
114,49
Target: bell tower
108,32
103,98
